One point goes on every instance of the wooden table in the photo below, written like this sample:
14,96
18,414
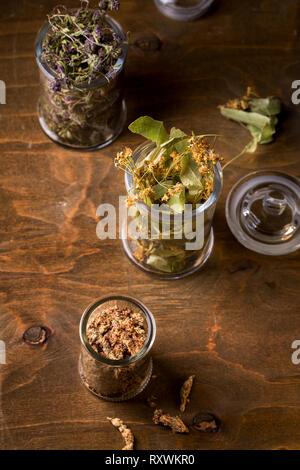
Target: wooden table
231,324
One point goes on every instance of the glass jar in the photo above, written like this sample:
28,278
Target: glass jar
185,10
87,116
116,380
163,243
262,212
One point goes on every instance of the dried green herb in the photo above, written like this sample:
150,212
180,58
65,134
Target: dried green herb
179,170
79,48
258,115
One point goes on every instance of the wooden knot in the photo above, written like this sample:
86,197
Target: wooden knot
206,422
36,335
148,42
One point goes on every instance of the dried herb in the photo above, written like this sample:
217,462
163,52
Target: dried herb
179,170
80,47
125,432
173,422
258,115
185,392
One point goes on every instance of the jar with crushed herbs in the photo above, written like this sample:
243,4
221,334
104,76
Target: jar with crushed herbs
81,55
173,183
117,334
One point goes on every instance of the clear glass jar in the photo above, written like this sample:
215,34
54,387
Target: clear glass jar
262,211
116,380
86,117
184,10
169,245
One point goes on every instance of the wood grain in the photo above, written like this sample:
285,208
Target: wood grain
231,324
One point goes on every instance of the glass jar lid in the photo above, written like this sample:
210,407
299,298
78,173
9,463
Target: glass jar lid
263,212
184,9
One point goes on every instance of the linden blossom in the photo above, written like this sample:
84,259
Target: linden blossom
115,460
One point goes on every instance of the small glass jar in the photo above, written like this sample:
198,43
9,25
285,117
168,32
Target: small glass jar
87,116
184,10
262,211
116,380
168,245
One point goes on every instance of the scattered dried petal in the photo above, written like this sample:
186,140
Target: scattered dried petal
125,432
185,392
173,422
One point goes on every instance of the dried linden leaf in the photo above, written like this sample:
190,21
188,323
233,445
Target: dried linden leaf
150,129
190,176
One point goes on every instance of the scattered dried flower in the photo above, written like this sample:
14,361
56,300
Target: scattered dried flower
185,392
258,115
125,432
173,422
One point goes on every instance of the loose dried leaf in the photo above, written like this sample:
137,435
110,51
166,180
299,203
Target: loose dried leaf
268,106
173,422
185,392
259,115
246,117
125,432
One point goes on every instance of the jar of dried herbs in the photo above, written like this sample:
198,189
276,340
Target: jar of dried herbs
81,56
117,334
173,183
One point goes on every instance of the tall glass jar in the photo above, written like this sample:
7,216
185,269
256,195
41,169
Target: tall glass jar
184,10
163,243
116,380
88,116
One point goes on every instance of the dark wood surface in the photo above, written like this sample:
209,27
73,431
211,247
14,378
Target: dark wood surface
231,324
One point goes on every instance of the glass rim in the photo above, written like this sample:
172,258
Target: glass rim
102,80
213,198
185,12
151,334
